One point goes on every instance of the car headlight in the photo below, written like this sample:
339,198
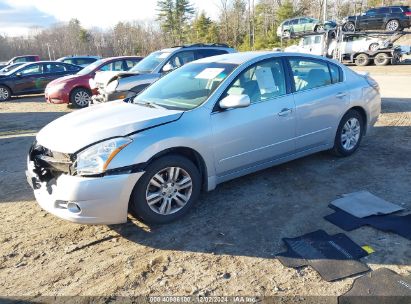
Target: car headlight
95,159
111,87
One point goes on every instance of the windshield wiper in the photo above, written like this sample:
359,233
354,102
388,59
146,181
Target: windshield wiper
149,104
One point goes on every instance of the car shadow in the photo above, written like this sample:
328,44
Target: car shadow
250,215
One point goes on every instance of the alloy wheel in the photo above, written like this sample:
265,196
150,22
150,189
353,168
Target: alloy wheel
4,94
350,133
392,25
82,98
350,27
169,190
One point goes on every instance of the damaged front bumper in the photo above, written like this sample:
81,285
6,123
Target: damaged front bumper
85,200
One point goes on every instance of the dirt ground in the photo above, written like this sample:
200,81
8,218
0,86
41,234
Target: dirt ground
226,245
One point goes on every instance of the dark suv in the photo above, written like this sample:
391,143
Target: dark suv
391,18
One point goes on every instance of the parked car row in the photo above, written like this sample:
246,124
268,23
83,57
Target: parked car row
390,18
207,122
21,78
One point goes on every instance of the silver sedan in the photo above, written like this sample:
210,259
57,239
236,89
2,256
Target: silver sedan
207,122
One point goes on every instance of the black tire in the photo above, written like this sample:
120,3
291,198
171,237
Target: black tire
77,98
381,59
319,28
393,25
5,93
339,149
362,60
349,27
138,203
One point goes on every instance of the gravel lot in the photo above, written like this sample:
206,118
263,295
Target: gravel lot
225,246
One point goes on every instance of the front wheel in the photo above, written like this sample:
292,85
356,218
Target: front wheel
349,134
166,191
5,93
80,98
349,27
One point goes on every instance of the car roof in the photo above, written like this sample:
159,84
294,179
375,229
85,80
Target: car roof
243,57
198,46
120,57
79,56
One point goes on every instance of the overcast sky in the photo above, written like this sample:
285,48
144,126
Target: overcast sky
18,16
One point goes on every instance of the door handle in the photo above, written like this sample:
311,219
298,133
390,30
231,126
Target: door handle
285,112
341,95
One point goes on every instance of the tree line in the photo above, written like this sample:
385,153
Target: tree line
243,24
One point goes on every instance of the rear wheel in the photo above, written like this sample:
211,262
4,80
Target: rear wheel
5,93
362,60
349,27
349,134
80,98
392,25
381,59
166,191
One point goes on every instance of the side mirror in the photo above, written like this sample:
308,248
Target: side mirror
235,101
167,68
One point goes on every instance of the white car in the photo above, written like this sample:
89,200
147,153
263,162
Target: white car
207,122
315,44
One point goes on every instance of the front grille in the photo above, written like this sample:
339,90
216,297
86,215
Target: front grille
49,164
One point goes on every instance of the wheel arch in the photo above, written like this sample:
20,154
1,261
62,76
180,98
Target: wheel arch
8,87
79,87
190,154
363,114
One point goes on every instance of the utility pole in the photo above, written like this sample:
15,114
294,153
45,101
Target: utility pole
325,11
48,50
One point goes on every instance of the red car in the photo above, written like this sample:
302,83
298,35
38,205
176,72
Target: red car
75,89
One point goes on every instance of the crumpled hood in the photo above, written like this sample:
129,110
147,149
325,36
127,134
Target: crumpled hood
104,78
74,131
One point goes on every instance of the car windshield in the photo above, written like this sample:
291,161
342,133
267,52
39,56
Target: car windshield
91,67
148,64
10,68
187,87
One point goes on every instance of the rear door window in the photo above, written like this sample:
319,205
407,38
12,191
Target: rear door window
309,74
54,68
396,10
383,10
113,66
261,82
130,63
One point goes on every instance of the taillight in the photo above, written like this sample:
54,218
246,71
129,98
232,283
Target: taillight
407,14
